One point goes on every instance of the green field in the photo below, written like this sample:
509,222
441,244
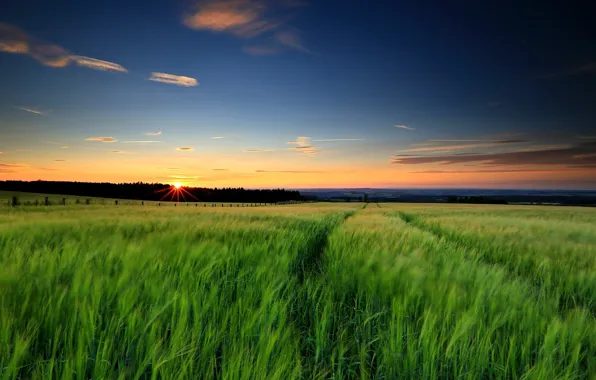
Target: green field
342,291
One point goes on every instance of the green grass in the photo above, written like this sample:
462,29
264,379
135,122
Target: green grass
298,292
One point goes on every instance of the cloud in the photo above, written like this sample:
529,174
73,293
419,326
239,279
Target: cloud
261,50
13,166
333,140
184,149
304,146
486,171
220,170
32,110
217,137
158,133
292,40
588,68
248,19
60,160
118,151
64,147
174,79
108,139
401,126
240,17
289,171
49,169
140,141
579,155
462,146
97,64
16,41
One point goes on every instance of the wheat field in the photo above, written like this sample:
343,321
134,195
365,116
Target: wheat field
311,291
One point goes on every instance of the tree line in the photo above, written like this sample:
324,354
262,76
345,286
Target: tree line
151,191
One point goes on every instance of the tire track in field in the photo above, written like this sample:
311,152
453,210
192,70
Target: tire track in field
569,295
303,297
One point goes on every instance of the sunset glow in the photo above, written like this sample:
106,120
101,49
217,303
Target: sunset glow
262,97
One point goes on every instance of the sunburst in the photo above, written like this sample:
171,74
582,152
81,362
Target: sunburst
175,192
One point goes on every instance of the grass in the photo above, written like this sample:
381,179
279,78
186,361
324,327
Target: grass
349,290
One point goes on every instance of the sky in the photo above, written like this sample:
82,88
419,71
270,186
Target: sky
300,94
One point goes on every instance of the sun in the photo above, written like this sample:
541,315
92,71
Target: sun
177,185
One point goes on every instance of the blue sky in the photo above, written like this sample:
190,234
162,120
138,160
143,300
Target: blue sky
301,94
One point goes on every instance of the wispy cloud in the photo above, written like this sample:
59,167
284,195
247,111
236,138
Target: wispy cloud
49,169
14,40
261,50
293,40
289,171
304,146
333,140
220,170
579,155
217,137
401,126
587,68
108,139
158,133
188,149
462,146
118,151
32,110
177,80
484,171
140,141
60,160
64,147
97,64
10,168
248,19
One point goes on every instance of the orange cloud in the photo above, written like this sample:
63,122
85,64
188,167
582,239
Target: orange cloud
108,139
174,79
233,16
184,149
304,146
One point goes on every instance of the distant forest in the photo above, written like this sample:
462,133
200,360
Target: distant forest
150,191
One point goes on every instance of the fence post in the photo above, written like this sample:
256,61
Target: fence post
116,202
63,201
15,202
87,201
142,203
158,203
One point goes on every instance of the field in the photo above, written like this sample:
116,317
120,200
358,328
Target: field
345,290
